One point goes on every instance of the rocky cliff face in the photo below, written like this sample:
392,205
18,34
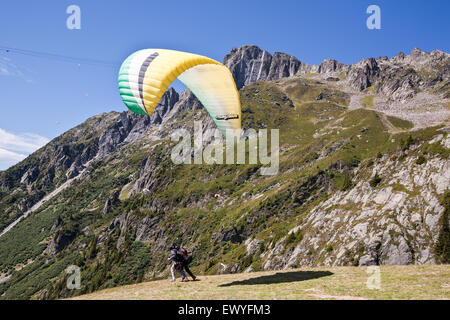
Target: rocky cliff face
331,65
400,78
356,185
392,224
249,64
53,167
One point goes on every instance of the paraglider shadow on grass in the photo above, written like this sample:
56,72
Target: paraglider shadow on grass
281,277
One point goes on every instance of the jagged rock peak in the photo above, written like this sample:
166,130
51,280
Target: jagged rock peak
363,74
420,57
331,65
249,64
165,105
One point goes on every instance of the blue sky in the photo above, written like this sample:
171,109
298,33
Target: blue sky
41,98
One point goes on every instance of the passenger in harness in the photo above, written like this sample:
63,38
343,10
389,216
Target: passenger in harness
187,259
180,260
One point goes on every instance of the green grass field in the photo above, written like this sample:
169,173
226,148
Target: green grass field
400,123
396,282
367,102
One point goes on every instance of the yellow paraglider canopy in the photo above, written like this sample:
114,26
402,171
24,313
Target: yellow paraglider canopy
147,74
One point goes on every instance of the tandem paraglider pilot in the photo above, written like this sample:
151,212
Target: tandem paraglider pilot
180,262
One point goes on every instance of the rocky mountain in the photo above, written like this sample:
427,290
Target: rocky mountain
406,86
363,179
249,64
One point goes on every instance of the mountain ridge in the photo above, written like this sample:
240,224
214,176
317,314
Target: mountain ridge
125,199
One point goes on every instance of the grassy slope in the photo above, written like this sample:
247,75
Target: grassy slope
397,282
367,101
400,123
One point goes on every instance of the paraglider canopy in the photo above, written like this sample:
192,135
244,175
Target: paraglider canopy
146,74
